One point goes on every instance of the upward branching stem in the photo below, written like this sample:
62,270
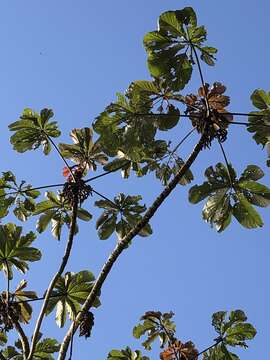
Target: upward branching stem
56,277
125,241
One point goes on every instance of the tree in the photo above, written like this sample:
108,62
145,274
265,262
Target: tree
127,141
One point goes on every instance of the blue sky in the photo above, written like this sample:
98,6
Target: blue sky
73,57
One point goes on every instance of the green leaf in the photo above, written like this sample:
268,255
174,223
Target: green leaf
260,99
70,292
15,249
252,172
23,200
20,295
84,152
126,354
155,325
246,214
57,211
45,348
217,210
107,228
33,131
3,338
233,329
10,353
116,164
229,196
84,214
148,86
167,48
120,215
239,333
171,120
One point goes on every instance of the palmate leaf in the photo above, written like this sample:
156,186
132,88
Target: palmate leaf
121,128
233,330
229,196
84,152
57,211
169,48
180,350
219,352
155,326
23,202
121,216
20,295
166,170
11,353
15,249
70,292
126,126
141,161
44,349
33,130
259,121
126,354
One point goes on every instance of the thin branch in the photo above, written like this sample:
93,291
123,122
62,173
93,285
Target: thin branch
180,143
125,241
209,347
2,356
23,338
104,197
227,163
105,173
56,277
195,115
201,74
37,299
31,189
59,152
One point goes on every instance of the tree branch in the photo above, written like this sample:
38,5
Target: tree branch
124,242
2,356
23,338
56,277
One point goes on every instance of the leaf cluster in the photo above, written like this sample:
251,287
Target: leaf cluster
70,292
84,152
155,325
229,196
34,130
44,350
23,198
233,330
57,211
170,49
120,215
15,249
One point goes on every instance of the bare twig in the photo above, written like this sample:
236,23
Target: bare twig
56,277
125,241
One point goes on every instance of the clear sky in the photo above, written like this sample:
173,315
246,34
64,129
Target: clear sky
73,56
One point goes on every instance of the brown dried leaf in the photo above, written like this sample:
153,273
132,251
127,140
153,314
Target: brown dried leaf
218,102
203,90
217,89
184,351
